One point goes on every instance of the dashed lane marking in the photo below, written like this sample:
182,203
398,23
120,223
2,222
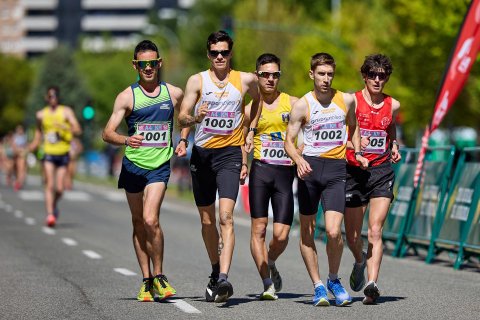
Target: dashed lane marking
49,231
18,214
92,254
30,221
184,306
124,271
69,242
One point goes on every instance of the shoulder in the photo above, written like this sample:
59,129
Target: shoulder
292,99
195,81
247,76
349,98
395,105
174,91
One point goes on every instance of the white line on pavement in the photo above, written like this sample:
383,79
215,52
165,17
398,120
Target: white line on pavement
184,306
77,196
8,208
18,214
69,242
92,254
49,231
30,221
115,196
31,195
124,271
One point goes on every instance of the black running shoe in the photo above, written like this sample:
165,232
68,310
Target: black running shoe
224,291
212,288
371,293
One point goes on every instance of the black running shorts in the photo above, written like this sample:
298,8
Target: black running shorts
374,182
325,183
215,169
271,182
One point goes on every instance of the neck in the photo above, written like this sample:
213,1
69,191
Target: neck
148,86
324,97
220,74
270,98
374,98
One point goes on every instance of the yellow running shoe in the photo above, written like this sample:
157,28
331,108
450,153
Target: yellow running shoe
146,293
162,288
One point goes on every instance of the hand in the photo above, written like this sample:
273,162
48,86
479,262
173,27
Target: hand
181,149
243,174
135,141
364,142
201,112
303,168
363,161
249,141
396,156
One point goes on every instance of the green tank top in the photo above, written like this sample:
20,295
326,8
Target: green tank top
153,118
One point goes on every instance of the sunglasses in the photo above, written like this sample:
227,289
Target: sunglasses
215,53
266,74
142,64
372,75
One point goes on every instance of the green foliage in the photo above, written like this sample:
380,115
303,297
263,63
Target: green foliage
57,68
15,82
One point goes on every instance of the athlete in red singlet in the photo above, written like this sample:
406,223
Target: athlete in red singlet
376,113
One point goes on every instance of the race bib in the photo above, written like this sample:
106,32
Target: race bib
219,122
273,152
329,134
155,135
378,140
52,137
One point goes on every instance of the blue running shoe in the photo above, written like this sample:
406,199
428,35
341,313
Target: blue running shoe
320,297
342,298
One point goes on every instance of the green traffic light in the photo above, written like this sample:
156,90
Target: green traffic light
88,113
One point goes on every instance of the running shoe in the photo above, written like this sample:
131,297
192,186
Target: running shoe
162,288
276,278
371,293
224,291
320,297
51,220
146,293
269,293
357,277
342,298
212,288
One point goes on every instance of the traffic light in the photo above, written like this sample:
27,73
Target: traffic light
88,112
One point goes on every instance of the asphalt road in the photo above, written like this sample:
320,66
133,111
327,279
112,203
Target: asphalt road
85,268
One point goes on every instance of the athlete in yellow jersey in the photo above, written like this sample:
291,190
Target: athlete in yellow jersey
217,98
324,115
271,176
56,126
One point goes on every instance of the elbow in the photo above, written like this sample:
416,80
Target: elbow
104,136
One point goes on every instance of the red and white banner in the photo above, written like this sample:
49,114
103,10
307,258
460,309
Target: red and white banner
458,69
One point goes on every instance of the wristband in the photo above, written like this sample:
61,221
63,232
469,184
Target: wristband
358,153
253,129
184,140
395,142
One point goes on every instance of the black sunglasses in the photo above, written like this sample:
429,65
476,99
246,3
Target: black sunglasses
215,53
372,75
266,74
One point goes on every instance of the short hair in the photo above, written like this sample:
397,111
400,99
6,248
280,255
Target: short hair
145,45
267,58
320,59
219,36
54,88
377,61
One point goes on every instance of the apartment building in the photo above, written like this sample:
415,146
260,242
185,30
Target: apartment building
33,27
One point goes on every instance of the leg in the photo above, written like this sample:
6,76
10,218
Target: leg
227,233
353,230
135,202
210,232
307,246
333,222
154,194
279,241
378,214
49,171
60,174
257,246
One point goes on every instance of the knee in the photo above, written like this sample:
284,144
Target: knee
352,240
259,232
151,223
334,234
226,219
280,239
375,234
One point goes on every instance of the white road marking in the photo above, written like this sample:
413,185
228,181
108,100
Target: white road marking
92,254
49,231
184,306
8,208
2,204
18,214
69,242
124,271
30,195
30,221
77,196
115,196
